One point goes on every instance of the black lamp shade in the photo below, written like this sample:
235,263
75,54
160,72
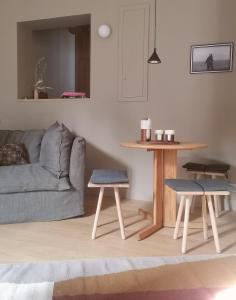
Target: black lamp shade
154,58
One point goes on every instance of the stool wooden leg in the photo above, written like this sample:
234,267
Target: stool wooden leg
193,205
204,217
216,201
213,224
179,216
216,204
186,219
227,205
220,203
226,202
95,224
117,196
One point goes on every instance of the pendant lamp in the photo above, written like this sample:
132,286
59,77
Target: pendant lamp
154,58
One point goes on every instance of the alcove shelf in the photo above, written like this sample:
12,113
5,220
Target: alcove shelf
55,99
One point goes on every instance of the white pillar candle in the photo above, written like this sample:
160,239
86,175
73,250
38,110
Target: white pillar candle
146,130
146,124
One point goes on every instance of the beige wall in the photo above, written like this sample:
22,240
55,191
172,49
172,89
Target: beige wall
199,107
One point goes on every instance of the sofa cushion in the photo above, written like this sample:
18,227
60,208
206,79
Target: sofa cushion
56,149
30,138
3,136
13,154
28,178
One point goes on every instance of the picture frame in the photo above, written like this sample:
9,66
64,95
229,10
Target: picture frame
211,58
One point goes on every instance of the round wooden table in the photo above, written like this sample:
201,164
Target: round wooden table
164,166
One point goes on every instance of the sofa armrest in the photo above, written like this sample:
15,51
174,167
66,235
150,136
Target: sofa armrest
77,163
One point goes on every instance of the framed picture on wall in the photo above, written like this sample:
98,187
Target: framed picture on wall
211,58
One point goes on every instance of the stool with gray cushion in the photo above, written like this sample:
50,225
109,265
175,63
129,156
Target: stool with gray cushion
109,179
218,170
206,188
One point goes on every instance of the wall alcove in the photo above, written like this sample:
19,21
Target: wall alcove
53,57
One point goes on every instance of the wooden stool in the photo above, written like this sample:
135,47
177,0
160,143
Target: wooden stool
213,171
212,175
204,188
109,179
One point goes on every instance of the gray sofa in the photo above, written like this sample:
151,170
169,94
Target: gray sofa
51,185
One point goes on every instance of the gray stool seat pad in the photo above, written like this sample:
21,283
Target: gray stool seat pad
200,185
106,176
217,168
211,168
211,185
190,166
183,185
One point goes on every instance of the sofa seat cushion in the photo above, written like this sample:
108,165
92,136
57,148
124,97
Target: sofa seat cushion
28,178
56,149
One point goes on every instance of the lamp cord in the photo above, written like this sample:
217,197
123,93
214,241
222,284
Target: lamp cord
155,24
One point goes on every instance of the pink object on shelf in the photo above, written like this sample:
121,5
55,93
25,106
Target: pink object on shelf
73,95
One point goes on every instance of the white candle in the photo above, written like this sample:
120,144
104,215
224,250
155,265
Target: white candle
146,124
170,135
159,134
146,130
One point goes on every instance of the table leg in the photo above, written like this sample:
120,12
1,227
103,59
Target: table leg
157,196
169,198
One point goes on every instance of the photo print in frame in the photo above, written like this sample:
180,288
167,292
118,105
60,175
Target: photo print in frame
211,58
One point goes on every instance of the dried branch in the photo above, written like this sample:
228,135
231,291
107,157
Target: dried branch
39,72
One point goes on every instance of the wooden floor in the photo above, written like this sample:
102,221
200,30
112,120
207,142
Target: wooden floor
71,239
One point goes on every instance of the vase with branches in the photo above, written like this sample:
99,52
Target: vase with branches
39,74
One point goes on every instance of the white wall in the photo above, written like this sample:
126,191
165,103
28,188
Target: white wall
200,107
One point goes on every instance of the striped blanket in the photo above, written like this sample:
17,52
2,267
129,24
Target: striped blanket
213,279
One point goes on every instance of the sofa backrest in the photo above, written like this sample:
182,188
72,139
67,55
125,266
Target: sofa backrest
30,138
56,150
